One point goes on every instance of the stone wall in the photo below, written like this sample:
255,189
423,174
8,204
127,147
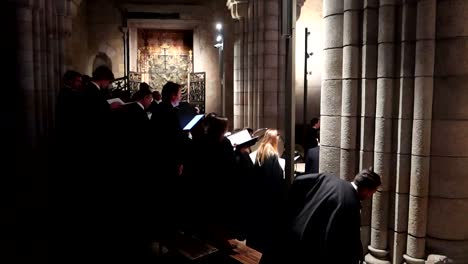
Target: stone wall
105,40
43,27
391,98
76,57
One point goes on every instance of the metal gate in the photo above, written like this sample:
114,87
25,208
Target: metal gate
197,90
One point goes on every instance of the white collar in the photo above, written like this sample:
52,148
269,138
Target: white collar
142,107
354,186
95,84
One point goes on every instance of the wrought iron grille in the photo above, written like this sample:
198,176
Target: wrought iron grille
125,87
197,90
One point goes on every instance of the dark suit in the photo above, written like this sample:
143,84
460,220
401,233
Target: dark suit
168,142
312,137
312,160
96,115
69,105
135,182
168,135
153,106
322,225
137,123
90,197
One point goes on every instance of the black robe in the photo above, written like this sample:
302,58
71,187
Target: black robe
267,198
137,125
69,105
322,225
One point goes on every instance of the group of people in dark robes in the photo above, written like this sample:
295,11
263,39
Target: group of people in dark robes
130,175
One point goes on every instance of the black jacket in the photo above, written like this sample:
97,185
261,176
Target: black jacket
322,224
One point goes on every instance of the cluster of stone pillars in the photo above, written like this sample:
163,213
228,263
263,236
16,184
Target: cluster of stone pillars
382,62
259,63
258,58
42,26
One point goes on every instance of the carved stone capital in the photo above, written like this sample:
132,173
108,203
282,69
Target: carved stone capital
238,8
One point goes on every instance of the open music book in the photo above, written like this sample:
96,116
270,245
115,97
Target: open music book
242,139
115,100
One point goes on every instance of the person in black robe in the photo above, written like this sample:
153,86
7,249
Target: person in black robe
168,155
88,203
68,110
312,136
243,175
133,180
136,117
267,194
323,220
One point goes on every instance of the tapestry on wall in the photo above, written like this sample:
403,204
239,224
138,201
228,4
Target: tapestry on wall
165,55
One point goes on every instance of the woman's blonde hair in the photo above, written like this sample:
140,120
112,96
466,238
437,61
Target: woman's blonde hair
268,146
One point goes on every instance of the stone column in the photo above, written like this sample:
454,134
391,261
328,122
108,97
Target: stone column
368,90
422,122
38,65
269,80
447,228
404,131
62,20
249,69
238,74
64,30
239,11
26,68
349,96
383,132
46,82
330,102
52,47
259,95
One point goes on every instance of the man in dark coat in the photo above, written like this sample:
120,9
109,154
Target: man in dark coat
312,160
136,116
167,157
312,137
68,109
135,179
323,220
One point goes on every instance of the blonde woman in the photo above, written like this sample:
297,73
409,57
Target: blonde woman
267,194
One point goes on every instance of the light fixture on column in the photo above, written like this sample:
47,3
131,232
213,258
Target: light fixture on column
219,44
219,36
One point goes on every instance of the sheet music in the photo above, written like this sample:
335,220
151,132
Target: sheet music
239,137
115,100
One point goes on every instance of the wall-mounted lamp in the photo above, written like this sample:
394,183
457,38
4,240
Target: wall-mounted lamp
219,44
219,36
